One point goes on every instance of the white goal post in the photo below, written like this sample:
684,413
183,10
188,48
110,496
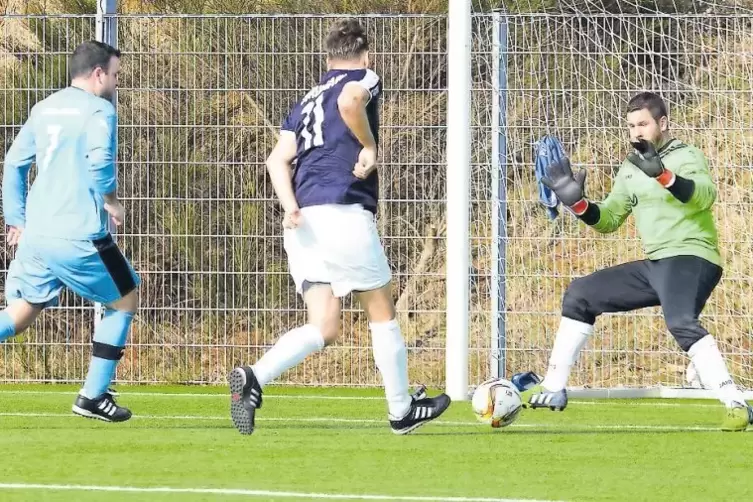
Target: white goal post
458,197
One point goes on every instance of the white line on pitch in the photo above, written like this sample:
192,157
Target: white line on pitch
251,493
576,402
578,427
205,394
652,404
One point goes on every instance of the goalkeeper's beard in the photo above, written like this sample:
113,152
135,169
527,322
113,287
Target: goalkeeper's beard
658,140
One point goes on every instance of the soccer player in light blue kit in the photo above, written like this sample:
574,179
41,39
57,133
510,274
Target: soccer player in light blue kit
61,226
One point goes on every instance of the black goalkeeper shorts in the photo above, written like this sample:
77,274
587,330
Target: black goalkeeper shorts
680,284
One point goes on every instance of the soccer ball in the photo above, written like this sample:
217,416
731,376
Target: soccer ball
496,402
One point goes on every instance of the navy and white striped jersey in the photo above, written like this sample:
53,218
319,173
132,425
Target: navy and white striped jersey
327,150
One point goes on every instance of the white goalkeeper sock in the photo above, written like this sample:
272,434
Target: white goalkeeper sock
571,337
713,372
292,348
391,359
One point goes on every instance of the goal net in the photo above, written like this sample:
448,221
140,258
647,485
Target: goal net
569,73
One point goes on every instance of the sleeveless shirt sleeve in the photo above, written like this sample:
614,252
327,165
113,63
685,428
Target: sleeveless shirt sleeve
372,83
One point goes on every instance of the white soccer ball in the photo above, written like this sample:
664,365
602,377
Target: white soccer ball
496,402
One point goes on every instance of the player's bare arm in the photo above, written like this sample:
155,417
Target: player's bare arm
352,105
279,165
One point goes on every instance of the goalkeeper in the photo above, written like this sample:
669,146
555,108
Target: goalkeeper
666,184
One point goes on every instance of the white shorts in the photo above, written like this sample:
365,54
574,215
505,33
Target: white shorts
338,245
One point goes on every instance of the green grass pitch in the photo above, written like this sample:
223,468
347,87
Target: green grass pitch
335,444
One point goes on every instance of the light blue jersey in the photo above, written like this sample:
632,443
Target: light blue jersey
72,136
65,242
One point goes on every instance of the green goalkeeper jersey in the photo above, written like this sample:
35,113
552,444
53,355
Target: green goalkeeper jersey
667,227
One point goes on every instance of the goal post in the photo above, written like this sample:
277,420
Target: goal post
458,140
498,354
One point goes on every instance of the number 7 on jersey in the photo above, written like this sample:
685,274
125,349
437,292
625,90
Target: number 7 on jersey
53,133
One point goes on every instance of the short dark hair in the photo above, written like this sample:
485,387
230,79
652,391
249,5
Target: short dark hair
346,39
648,101
91,55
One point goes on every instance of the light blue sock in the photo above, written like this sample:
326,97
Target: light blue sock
109,341
7,327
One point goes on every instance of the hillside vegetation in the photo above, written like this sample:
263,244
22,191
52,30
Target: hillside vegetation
200,102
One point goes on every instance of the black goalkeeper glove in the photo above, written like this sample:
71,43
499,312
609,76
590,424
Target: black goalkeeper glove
568,188
646,158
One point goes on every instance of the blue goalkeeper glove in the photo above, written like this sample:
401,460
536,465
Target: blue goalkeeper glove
524,381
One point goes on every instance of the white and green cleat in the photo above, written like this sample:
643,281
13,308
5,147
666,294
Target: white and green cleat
533,395
539,397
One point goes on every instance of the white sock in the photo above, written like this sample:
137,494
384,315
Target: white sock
392,361
290,350
571,337
713,372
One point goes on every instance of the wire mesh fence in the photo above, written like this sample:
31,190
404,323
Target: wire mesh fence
200,103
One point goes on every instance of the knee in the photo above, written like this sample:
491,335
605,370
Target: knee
329,327
128,303
383,313
686,330
22,314
323,312
576,305
329,333
378,304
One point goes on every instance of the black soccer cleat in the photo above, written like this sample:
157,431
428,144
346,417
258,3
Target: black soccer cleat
423,410
245,398
102,408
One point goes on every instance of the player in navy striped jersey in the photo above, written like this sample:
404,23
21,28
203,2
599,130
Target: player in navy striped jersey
331,240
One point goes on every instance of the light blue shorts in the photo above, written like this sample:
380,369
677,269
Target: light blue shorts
95,270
